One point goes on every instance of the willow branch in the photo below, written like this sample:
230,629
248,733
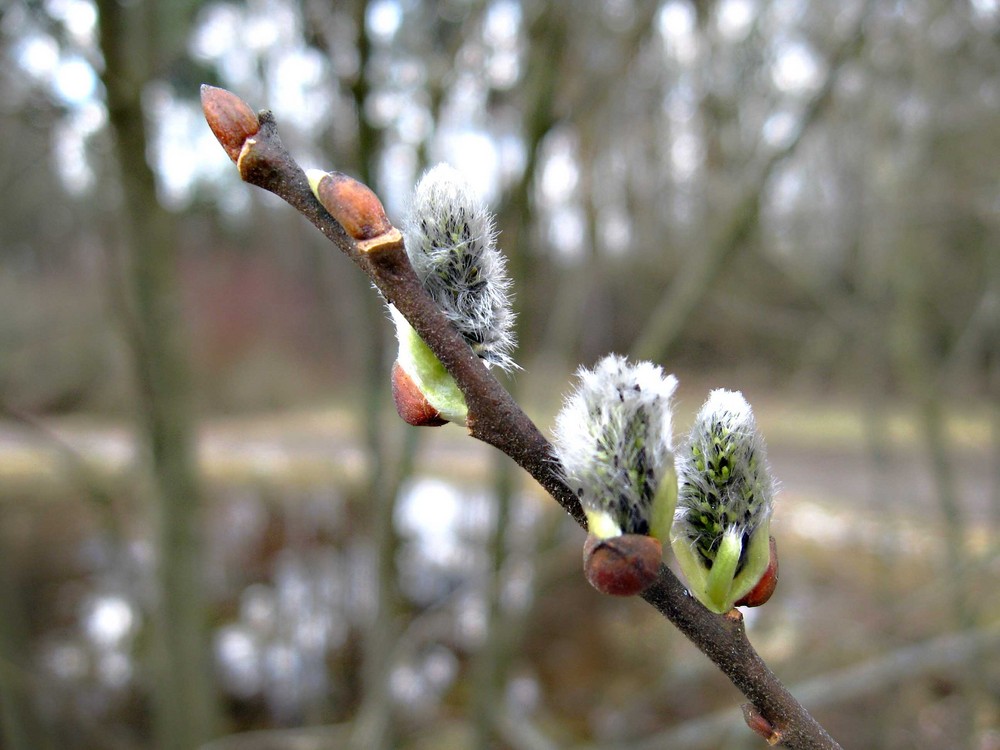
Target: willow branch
494,417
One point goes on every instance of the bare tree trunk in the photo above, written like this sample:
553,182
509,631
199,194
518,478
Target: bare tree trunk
491,662
918,369
993,387
19,725
182,698
374,726
689,287
995,413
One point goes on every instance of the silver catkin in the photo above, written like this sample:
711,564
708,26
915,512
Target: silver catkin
451,242
613,438
725,481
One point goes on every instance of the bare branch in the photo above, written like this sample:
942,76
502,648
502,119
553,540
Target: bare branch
949,653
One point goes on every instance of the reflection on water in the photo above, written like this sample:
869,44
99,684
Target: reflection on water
108,620
417,685
444,530
290,584
276,647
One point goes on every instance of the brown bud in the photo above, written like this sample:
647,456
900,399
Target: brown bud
354,205
622,565
763,589
411,404
760,725
230,118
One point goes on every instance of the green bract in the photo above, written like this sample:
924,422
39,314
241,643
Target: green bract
426,370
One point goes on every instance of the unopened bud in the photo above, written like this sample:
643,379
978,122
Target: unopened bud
622,565
760,593
411,404
352,203
230,118
424,392
760,725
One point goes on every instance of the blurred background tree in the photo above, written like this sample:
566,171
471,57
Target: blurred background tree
794,198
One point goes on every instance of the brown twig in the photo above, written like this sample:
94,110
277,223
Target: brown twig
494,417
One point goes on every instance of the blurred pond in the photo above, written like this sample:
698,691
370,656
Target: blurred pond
290,575
290,571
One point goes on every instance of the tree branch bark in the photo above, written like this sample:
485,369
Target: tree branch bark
495,418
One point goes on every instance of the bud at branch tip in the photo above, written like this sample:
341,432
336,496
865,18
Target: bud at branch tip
230,118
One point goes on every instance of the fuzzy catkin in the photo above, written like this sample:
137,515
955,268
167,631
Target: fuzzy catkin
725,482
451,242
613,437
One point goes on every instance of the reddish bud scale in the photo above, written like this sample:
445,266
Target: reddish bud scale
230,118
354,205
763,589
760,725
622,565
411,405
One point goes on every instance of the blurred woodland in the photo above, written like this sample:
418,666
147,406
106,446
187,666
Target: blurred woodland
213,521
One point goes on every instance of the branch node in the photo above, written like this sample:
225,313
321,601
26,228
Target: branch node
760,725
376,247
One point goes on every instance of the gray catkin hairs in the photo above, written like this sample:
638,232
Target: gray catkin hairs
613,438
721,534
451,242
725,482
